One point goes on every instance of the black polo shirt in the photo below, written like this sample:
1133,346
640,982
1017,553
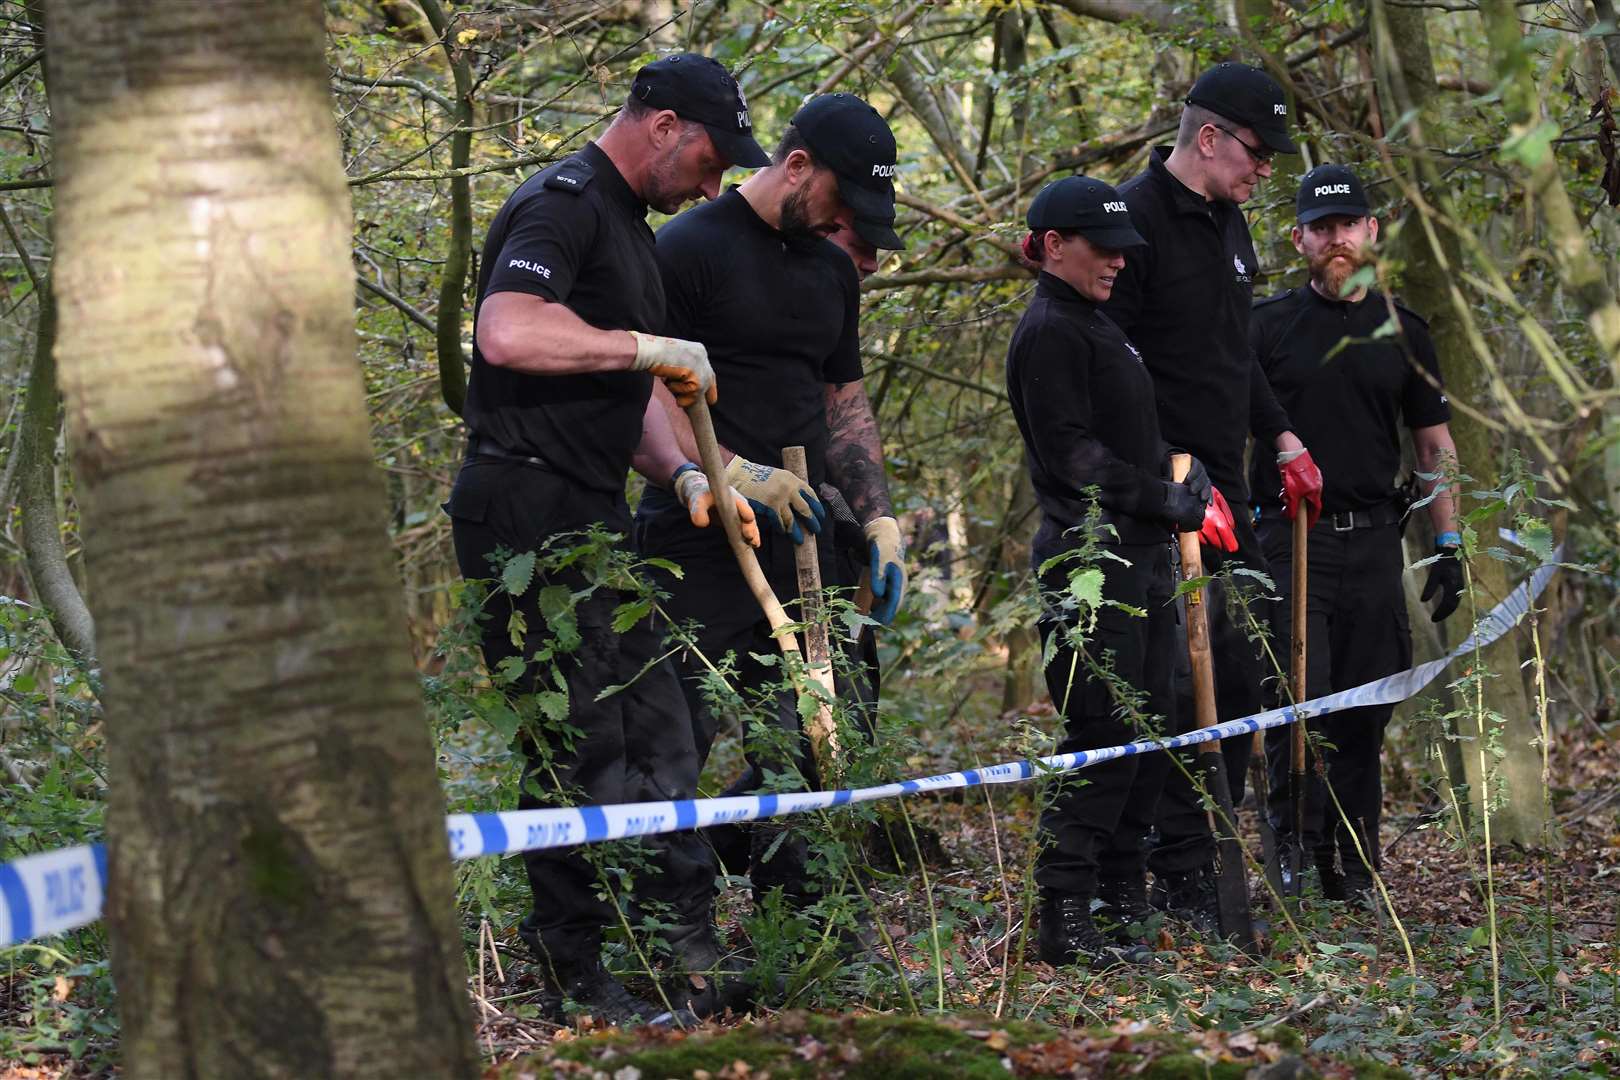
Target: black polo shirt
779,315
1084,404
1346,407
1184,301
574,234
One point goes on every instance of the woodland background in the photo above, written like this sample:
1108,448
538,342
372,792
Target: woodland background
1488,135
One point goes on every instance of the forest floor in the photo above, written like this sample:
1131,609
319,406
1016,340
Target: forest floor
1342,988
1338,988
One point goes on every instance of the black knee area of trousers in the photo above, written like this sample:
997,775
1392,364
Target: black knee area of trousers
632,746
1098,817
1357,630
1185,842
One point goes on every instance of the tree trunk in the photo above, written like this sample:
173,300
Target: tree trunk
280,901
1406,78
453,281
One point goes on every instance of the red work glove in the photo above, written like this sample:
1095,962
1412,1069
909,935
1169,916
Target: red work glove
1219,531
1302,482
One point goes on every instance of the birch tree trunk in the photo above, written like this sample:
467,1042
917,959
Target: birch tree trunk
280,901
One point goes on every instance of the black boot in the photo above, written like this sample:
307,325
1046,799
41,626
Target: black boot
1332,881
574,982
1190,897
703,977
1125,906
1068,935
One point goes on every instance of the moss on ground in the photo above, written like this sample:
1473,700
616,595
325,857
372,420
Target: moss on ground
887,1046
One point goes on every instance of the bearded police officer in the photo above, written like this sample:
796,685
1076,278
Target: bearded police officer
1348,382
1184,300
570,303
1084,403
753,277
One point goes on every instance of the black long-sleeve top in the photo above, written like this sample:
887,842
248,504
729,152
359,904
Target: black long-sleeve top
1084,404
1184,300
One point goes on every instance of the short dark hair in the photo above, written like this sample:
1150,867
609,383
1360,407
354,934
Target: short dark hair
792,139
1193,119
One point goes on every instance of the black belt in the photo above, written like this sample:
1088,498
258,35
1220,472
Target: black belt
479,447
1377,517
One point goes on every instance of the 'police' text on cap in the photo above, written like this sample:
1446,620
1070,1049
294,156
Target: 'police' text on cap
1087,206
1328,190
1248,96
851,138
700,89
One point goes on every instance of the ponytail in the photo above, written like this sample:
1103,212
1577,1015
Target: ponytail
1033,246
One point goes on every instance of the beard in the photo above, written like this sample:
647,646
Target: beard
795,214
664,192
1331,268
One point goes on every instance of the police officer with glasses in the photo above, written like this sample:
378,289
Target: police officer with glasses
1184,300
1085,405
1349,383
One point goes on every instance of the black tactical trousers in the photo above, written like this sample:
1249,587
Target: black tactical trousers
631,746
1113,686
1356,631
712,597
1185,841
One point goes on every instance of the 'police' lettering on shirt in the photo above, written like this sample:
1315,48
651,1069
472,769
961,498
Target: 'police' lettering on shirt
533,267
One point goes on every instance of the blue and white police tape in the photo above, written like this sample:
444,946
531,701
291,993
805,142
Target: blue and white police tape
61,890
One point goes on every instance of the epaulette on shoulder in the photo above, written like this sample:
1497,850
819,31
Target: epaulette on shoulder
573,175
1414,316
1286,294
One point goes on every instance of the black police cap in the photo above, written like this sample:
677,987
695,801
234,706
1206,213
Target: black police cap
851,138
1248,96
700,89
1087,206
1331,189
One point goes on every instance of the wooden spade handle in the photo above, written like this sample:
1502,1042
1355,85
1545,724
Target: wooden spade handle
715,470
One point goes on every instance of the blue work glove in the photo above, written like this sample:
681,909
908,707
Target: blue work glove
777,496
888,557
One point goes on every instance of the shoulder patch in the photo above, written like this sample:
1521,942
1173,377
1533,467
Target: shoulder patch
572,175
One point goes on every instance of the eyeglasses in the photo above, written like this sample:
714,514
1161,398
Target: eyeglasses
1261,157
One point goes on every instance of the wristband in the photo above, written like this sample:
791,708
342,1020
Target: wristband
1448,540
689,467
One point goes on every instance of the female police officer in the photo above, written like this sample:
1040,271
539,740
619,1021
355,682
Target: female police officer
1084,403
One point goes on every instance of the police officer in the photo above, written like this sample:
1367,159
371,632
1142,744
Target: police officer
566,348
1348,383
1084,403
753,277
1184,300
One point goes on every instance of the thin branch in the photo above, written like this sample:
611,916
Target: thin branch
400,81
955,275
399,302
19,67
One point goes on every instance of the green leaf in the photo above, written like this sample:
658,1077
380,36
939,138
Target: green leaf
517,628
1086,586
553,705
1537,537
1192,585
518,573
24,684
1532,147
629,614
557,608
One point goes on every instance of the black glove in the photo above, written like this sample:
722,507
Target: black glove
1445,578
1198,480
1184,507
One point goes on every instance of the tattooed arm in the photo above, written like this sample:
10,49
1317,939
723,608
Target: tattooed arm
855,452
